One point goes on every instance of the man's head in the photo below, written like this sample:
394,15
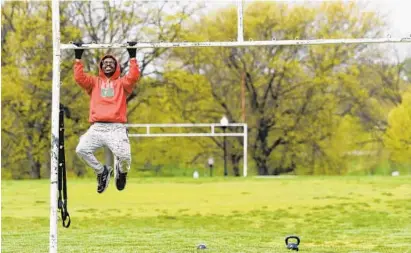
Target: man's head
108,65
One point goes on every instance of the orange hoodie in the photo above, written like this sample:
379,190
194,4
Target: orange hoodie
108,95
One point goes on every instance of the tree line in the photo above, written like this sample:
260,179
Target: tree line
330,109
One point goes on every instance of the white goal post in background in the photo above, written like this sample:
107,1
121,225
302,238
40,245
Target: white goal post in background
210,133
57,47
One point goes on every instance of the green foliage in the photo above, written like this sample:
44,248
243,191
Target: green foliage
26,96
309,109
298,98
27,74
397,138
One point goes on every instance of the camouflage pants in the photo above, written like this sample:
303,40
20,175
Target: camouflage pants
113,137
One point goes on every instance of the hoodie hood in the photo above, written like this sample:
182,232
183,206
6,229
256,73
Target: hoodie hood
116,72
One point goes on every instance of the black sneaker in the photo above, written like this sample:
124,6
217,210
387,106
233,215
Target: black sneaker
121,178
103,179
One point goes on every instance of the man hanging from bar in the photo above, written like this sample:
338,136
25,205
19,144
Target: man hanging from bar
108,92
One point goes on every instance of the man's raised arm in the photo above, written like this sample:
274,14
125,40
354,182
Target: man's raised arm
82,79
130,80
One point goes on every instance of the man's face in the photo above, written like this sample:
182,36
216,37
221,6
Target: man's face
109,66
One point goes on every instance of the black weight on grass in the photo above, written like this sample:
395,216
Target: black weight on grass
201,246
292,245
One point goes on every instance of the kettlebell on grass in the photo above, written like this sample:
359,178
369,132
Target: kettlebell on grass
202,246
292,245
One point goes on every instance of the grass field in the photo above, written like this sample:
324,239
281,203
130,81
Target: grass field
330,214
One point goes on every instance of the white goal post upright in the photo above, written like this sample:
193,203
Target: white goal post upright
240,28
57,47
55,110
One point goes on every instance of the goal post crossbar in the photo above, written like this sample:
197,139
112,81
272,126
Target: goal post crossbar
239,43
187,125
187,135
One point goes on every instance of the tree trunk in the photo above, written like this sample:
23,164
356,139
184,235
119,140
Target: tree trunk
278,170
262,167
235,161
35,169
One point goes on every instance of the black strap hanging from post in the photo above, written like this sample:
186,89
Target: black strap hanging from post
62,180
